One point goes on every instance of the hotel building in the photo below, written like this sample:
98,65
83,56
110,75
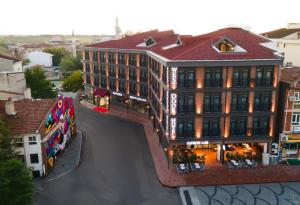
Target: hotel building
206,91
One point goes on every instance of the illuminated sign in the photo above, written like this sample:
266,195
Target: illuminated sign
173,128
173,103
137,98
196,142
116,93
173,77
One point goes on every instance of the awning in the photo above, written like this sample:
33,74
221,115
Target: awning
101,92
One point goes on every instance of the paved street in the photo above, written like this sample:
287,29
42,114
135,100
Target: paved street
251,194
116,167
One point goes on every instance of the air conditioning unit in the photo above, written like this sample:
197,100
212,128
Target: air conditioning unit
292,98
284,138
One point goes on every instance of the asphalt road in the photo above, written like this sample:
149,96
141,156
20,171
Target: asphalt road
116,168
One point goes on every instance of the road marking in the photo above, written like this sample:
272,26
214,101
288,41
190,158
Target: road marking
193,200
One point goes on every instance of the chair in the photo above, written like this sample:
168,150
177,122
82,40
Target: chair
192,167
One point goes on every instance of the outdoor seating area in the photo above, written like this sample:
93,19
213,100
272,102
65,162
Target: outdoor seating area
242,163
189,167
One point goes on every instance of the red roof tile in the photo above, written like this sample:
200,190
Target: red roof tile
29,115
9,58
196,47
291,76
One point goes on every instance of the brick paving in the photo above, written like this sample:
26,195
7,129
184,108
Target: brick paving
212,175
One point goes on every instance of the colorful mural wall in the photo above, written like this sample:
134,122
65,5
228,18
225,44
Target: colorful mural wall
60,127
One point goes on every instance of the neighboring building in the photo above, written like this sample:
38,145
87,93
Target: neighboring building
287,40
12,79
41,129
288,127
39,58
27,48
207,92
10,64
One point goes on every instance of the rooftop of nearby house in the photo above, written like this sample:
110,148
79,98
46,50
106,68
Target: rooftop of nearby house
9,58
291,76
29,115
244,45
283,32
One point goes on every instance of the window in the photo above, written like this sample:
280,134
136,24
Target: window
149,42
164,74
111,58
186,79
185,129
34,158
122,86
121,58
213,77
121,72
87,55
239,102
112,84
212,103
103,82
186,104
96,80
143,90
19,142
143,75
238,127
102,57
225,46
260,126
211,128
132,59
96,69
102,70
95,56
295,118
132,73
264,76
32,140
262,101
87,67
132,88
240,77
143,60
112,71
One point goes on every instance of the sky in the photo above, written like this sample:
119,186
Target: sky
183,16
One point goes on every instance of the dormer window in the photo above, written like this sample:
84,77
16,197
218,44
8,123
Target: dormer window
178,42
147,42
226,46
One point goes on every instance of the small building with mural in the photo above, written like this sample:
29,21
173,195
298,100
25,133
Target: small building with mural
41,129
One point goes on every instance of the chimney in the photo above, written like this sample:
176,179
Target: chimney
10,107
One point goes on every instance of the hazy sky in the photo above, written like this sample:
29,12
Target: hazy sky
184,16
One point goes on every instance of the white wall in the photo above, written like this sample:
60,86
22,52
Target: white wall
39,58
13,84
28,149
10,66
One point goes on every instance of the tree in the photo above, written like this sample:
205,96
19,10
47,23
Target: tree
25,61
40,86
6,144
16,186
70,64
74,82
58,54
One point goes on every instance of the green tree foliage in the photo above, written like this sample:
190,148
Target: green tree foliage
74,82
58,54
70,64
40,86
25,61
6,144
16,186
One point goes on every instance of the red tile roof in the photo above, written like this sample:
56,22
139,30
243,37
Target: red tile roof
291,76
196,47
30,114
9,58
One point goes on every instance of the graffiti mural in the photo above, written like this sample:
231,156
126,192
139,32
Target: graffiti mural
60,127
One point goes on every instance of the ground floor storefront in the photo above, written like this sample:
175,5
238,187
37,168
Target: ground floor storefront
289,146
214,153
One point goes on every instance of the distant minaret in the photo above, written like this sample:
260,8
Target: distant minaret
117,27
73,44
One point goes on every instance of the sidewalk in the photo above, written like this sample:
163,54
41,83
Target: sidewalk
212,175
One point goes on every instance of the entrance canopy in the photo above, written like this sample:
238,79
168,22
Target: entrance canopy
101,92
